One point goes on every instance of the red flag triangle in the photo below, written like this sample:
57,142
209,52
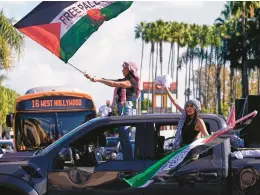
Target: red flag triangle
48,35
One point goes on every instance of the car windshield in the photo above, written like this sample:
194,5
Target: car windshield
67,137
38,130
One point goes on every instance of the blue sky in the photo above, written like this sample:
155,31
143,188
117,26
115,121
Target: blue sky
103,53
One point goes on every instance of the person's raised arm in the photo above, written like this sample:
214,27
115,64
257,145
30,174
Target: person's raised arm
110,83
174,100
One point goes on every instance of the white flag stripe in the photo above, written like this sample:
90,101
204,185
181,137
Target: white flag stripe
72,14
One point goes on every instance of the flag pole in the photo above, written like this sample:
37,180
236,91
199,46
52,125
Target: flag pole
76,68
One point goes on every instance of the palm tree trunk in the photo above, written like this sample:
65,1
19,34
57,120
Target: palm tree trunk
244,56
193,80
157,55
218,85
161,55
200,70
224,84
232,88
153,78
186,77
172,65
205,77
173,59
177,71
169,61
141,68
208,85
149,80
189,80
161,63
198,80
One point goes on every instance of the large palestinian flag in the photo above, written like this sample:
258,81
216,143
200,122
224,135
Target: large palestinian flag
170,164
63,26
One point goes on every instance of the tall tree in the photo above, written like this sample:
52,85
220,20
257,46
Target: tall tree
11,41
140,34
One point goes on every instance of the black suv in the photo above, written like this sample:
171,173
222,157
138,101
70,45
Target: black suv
70,165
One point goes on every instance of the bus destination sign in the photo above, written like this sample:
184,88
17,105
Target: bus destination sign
54,103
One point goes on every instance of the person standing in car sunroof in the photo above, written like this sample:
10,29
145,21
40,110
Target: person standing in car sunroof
191,126
125,90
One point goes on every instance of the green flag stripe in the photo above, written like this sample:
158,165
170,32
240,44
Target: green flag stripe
174,158
142,178
85,27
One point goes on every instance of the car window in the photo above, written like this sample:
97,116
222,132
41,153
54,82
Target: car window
93,149
67,137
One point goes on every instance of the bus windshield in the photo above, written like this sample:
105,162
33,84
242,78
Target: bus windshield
38,130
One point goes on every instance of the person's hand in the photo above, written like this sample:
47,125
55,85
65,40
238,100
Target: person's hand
88,76
159,86
95,79
92,78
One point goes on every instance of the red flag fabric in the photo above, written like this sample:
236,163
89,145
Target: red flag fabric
231,116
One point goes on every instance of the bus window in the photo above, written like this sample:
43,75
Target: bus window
37,130
44,114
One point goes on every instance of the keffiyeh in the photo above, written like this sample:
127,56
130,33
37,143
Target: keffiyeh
132,67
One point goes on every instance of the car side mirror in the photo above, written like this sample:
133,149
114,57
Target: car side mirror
9,120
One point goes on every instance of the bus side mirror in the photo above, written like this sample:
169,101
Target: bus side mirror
9,120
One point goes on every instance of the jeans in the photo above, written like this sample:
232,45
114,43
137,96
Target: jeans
124,131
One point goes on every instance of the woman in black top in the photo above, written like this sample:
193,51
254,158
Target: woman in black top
191,126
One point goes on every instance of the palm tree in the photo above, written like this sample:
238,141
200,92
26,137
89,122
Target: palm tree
225,15
180,40
150,37
218,64
140,33
242,10
10,41
204,43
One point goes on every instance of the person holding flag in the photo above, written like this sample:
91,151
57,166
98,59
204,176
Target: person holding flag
124,91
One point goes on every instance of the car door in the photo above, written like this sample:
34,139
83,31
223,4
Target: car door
200,176
106,177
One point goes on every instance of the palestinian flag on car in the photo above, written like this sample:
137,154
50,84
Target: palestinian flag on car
63,26
168,165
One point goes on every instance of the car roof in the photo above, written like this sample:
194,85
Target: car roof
159,116
129,119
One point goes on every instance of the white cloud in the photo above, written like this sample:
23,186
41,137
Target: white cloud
103,53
